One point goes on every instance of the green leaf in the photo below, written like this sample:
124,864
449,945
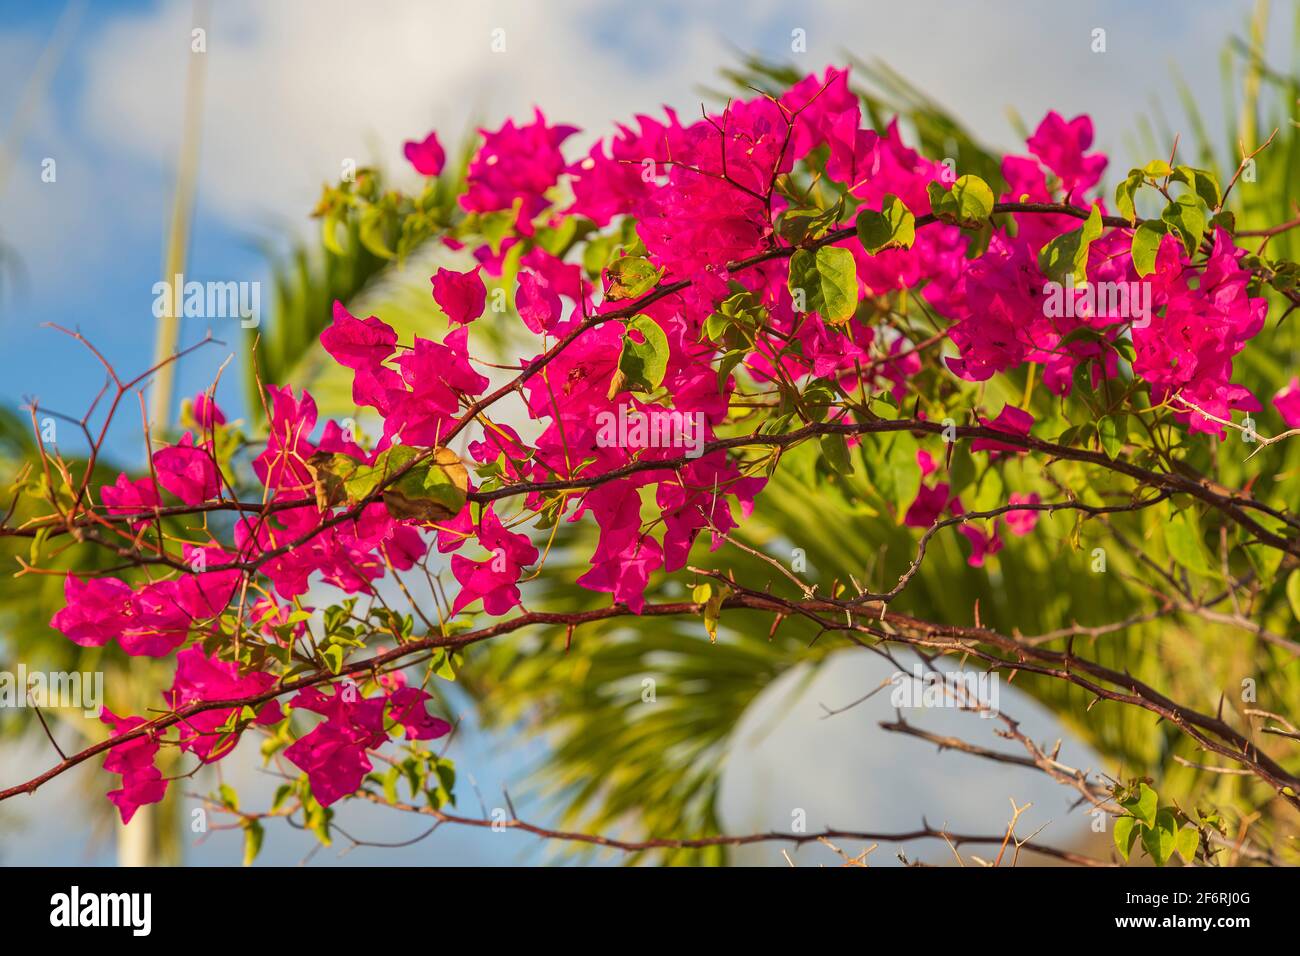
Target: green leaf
799,224
329,231
974,199
1293,592
1068,253
630,277
1186,841
641,365
433,489
1126,349
1125,192
827,281
894,227
334,657
1186,217
835,449
1183,539
969,203
1126,833
377,227
391,776
713,611
1146,243
1143,806
838,274
229,798
1202,182
1160,839
727,364
1113,432
804,282
253,834
1224,220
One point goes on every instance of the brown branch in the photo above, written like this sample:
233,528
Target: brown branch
698,843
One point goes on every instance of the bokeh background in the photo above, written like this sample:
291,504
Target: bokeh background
293,89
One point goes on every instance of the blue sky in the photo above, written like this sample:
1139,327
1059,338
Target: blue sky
294,87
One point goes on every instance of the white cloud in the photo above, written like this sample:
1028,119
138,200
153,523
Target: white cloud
293,89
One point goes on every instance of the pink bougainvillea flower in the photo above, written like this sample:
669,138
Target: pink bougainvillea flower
625,574
1022,521
1012,421
1061,145
357,343
1287,403
187,471
127,497
516,164
929,505
207,413
407,707
427,156
537,303
925,461
983,543
461,295
334,758
95,611
333,755
201,678
142,782
494,580
1200,319
159,620
283,465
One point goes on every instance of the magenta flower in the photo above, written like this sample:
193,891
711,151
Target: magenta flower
1061,144
1022,521
426,156
357,343
127,497
537,303
494,580
929,504
201,678
95,611
142,782
187,471
207,413
407,707
516,163
333,755
1287,403
1012,421
461,295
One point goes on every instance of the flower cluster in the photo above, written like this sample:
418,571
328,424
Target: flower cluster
729,261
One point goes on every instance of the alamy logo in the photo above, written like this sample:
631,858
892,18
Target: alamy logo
1117,300
967,690
55,689
666,428
134,910
209,300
